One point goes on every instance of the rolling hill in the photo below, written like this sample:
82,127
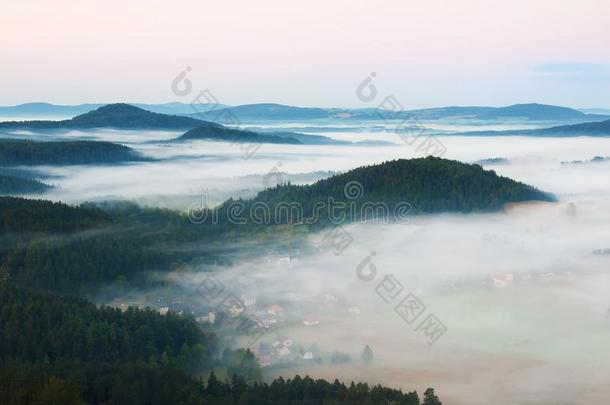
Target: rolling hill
533,111
95,115
13,185
595,129
587,128
28,153
47,110
225,134
125,116
423,185
269,111
122,116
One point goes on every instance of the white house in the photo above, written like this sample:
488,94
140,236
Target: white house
249,301
354,310
306,356
310,322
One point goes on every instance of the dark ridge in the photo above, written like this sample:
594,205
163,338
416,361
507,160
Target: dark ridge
234,135
118,115
21,215
14,185
18,152
428,185
587,128
597,129
533,111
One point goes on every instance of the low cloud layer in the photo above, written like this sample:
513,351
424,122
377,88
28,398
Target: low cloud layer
522,293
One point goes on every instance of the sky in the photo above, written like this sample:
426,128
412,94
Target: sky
309,53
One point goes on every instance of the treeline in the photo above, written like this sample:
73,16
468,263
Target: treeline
117,115
27,216
19,185
19,152
81,263
63,350
234,135
121,241
75,250
308,391
140,383
44,328
423,185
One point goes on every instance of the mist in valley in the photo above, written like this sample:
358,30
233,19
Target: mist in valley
522,294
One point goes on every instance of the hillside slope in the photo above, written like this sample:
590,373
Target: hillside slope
118,115
225,134
18,152
426,185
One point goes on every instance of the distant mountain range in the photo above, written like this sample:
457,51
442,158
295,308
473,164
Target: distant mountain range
269,111
599,129
280,112
598,111
588,128
274,112
125,116
516,112
31,110
538,112
596,159
233,135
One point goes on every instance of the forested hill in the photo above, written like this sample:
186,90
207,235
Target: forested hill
60,327
20,215
25,153
596,129
63,350
587,128
129,248
15,185
428,185
125,116
234,135
118,115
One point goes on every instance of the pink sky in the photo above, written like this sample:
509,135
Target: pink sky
427,53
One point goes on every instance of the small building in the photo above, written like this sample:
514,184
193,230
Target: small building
330,298
282,342
249,301
283,351
268,320
503,281
209,318
310,322
354,310
275,309
264,361
306,356
234,307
